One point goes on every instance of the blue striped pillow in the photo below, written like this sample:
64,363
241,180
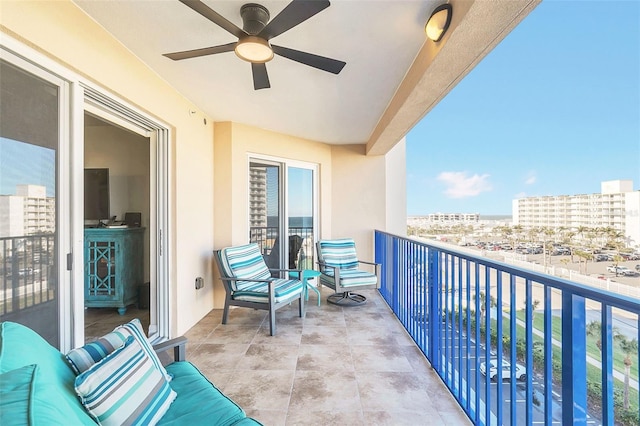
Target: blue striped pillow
125,388
81,359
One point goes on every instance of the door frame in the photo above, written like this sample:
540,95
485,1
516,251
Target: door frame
283,176
78,93
112,109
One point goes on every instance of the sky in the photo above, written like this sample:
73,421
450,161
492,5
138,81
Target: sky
554,109
39,171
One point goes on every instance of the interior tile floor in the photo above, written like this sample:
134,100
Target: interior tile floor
335,366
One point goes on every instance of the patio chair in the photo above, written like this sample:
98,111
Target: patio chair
248,283
339,271
273,258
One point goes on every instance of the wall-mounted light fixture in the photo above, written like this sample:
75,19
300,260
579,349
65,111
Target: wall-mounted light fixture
439,22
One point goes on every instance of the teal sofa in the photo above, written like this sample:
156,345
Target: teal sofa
37,386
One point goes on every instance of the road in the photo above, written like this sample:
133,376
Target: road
502,391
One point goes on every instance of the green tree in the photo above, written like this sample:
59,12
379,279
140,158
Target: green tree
630,349
586,256
594,329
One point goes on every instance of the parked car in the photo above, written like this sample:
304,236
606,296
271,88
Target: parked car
621,270
638,268
520,372
601,257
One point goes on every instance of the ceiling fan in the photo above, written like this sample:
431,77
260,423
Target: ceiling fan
253,38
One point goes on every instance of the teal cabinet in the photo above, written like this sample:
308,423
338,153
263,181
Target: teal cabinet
113,265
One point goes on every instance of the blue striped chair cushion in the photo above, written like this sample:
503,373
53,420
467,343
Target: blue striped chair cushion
259,292
125,388
339,253
349,278
244,262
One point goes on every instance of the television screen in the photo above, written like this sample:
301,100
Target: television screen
96,194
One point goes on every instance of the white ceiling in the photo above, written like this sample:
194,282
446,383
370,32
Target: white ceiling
378,39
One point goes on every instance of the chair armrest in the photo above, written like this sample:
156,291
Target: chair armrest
245,279
178,345
285,270
368,263
324,265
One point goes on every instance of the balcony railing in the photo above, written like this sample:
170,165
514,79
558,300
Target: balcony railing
572,350
26,273
265,237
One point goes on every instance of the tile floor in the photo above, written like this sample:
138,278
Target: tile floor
336,366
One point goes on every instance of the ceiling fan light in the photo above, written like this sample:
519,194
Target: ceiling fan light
254,49
439,22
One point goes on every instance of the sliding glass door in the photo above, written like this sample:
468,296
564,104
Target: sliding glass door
30,246
282,212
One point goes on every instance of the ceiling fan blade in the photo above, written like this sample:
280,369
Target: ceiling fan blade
320,62
215,17
176,56
293,14
260,76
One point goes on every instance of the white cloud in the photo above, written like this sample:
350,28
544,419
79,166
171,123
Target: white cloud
459,185
520,195
531,178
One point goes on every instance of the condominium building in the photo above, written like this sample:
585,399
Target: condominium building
453,217
28,212
257,196
617,206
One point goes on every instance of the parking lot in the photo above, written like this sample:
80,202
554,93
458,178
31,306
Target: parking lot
593,269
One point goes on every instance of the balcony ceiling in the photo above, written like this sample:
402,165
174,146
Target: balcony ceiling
392,77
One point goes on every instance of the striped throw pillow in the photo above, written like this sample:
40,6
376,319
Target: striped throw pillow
125,388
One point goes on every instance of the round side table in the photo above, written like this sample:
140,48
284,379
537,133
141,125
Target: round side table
307,274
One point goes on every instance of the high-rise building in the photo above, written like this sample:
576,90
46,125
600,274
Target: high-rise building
28,212
258,197
617,206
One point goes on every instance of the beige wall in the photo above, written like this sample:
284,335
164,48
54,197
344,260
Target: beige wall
234,145
353,189
358,193
396,184
358,197
62,32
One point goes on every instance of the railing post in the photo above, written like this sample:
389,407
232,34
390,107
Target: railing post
574,360
435,317
395,271
15,277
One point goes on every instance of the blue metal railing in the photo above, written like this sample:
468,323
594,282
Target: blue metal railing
464,310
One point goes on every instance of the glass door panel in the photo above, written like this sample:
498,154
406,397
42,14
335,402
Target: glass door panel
264,210
300,217
29,244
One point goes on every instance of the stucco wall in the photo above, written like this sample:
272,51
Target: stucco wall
234,145
358,198
62,32
354,198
